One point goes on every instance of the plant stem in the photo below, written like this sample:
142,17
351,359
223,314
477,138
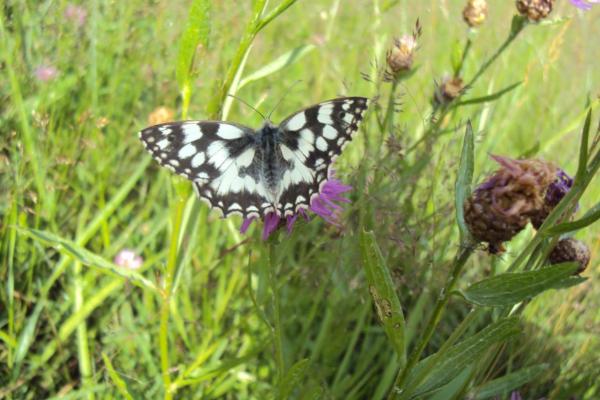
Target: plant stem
277,332
85,366
459,262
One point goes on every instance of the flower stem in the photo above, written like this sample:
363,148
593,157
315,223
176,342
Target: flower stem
459,262
277,333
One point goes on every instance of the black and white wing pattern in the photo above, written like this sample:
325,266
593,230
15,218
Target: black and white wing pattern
239,170
311,140
218,157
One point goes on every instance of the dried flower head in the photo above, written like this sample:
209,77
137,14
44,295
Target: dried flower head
570,249
554,193
475,12
400,56
535,10
129,259
449,89
324,205
501,206
160,115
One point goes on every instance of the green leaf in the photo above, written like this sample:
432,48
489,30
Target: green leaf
196,32
279,63
491,97
383,292
589,218
116,379
292,378
583,149
463,182
505,384
512,287
443,368
86,257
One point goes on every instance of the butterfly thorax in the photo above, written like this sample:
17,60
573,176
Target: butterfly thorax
271,159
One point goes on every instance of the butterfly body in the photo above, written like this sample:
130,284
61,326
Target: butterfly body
276,168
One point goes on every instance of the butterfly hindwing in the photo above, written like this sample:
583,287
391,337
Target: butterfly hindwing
218,157
311,140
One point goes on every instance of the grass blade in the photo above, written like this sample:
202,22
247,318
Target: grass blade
116,379
463,182
505,384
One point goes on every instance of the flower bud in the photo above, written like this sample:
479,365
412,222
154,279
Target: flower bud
500,207
535,10
475,12
554,194
400,56
160,115
449,89
568,250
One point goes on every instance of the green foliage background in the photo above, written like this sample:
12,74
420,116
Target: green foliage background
72,165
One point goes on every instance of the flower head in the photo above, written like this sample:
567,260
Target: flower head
129,259
475,12
554,193
584,4
570,249
76,14
535,10
325,205
449,89
45,73
500,207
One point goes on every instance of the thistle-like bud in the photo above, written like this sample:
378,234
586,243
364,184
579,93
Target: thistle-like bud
535,10
570,249
400,56
554,194
500,207
449,89
475,12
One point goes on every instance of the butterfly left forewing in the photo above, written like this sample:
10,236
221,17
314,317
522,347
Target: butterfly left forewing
311,139
218,157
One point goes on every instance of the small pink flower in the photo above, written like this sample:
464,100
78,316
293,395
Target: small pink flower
45,73
128,258
76,14
584,4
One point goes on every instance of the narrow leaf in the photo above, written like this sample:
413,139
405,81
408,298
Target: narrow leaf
583,149
491,97
292,378
589,218
512,287
383,292
463,181
443,368
116,379
279,63
505,384
86,257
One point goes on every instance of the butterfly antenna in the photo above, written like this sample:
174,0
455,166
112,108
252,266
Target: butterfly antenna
287,91
246,103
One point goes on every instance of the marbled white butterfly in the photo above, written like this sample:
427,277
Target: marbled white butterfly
238,170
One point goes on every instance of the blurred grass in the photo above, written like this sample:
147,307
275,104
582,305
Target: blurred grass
71,164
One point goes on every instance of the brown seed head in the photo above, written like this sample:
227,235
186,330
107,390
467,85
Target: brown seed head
475,12
571,250
535,10
449,89
400,56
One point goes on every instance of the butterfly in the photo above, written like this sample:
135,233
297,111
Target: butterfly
275,169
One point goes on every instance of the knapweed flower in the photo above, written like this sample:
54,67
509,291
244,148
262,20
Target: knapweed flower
535,10
400,56
570,249
325,205
475,12
449,89
584,4
129,259
501,206
160,115
554,193
45,73
76,14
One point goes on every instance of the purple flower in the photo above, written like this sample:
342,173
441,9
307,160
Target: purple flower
559,188
76,14
584,4
129,259
45,73
325,205
515,395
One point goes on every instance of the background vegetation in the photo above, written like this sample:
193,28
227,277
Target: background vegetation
227,315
